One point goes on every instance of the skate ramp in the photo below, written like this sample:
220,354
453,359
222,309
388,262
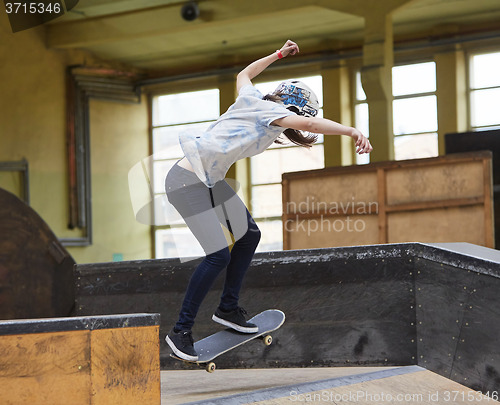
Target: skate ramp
340,385
36,272
436,306
80,360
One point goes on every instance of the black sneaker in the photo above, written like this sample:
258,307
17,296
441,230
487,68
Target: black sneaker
235,319
182,344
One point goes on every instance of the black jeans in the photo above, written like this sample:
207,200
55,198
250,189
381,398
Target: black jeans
204,210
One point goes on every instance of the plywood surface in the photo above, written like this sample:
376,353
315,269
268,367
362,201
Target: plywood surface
454,224
339,385
321,232
223,383
46,368
104,366
423,387
335,189
125,366
435,182
444,199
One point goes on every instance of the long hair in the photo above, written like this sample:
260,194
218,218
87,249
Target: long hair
293,135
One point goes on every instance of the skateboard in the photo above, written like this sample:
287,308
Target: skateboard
221,342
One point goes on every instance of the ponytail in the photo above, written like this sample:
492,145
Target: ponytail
293,135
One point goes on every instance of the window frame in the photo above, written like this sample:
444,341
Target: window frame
470,90
251,185
365,158
357,101
155,228
415,96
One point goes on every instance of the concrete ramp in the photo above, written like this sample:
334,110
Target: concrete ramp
346,385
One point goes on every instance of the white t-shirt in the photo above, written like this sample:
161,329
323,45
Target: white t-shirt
244,130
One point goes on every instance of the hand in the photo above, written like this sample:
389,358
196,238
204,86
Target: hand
290,48
362,143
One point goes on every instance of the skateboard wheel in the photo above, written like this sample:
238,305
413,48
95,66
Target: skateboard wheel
210,367
268,339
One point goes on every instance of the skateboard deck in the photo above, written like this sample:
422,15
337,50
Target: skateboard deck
221,342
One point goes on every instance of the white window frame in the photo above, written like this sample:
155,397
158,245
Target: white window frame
471,90
277,220
153,99
357,101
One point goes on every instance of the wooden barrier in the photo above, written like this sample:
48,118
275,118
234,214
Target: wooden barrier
112,359
444,199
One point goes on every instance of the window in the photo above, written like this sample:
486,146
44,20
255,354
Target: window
266,170
414,111
172,114
361,116
484,99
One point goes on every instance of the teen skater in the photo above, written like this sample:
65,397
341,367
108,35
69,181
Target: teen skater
195,186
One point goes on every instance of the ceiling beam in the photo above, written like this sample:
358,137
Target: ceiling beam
364,8
163,20
239,34
100,8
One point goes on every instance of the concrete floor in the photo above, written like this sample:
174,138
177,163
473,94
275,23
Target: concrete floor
340,386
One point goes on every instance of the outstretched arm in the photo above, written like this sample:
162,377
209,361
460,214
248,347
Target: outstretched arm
255,68
325,126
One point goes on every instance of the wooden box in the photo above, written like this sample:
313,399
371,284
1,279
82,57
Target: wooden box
443,199
112,359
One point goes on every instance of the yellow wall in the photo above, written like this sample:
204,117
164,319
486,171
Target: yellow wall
118,140
33,126
32,117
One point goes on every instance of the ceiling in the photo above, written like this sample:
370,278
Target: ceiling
151,35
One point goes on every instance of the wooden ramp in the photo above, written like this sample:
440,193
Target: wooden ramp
348,385
435,306
99,360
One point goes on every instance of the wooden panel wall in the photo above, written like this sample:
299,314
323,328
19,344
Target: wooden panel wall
444,199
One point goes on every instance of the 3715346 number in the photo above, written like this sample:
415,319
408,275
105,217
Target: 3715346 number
33,8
